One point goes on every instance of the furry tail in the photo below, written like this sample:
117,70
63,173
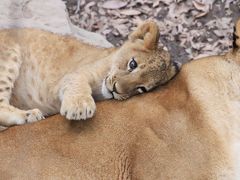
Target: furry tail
236,35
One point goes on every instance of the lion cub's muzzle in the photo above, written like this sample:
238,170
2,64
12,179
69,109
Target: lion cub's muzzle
112,86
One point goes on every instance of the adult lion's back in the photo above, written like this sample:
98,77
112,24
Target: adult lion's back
183,131
187,130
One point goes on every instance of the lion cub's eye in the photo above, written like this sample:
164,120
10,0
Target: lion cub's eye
132,64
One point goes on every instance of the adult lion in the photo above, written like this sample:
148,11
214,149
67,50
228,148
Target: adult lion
189,129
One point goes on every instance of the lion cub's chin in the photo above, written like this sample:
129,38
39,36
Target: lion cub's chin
105,92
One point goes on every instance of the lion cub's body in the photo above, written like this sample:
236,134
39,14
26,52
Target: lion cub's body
46,58
42,73
37,61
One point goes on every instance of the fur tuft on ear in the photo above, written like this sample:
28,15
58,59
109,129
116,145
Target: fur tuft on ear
236,35
148,31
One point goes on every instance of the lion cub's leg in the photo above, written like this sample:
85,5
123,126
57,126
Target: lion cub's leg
10,115
77,102
10,63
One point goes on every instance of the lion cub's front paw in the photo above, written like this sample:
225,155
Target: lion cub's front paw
79,108
33,116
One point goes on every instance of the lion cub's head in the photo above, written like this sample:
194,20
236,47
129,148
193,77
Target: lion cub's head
139,65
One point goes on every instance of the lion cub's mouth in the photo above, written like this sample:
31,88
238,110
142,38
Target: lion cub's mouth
109,93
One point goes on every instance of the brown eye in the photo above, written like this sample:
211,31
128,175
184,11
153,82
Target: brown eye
133,64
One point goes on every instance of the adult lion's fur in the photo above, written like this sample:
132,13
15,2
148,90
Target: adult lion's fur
189,129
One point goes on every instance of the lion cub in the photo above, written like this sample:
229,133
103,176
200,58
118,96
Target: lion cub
50,73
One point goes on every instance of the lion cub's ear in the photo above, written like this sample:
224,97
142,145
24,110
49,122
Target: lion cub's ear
148,32
236,35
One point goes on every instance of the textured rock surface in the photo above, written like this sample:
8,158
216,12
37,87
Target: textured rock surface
49,15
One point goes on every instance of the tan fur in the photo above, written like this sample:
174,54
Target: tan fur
56,73
186,130
190,130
